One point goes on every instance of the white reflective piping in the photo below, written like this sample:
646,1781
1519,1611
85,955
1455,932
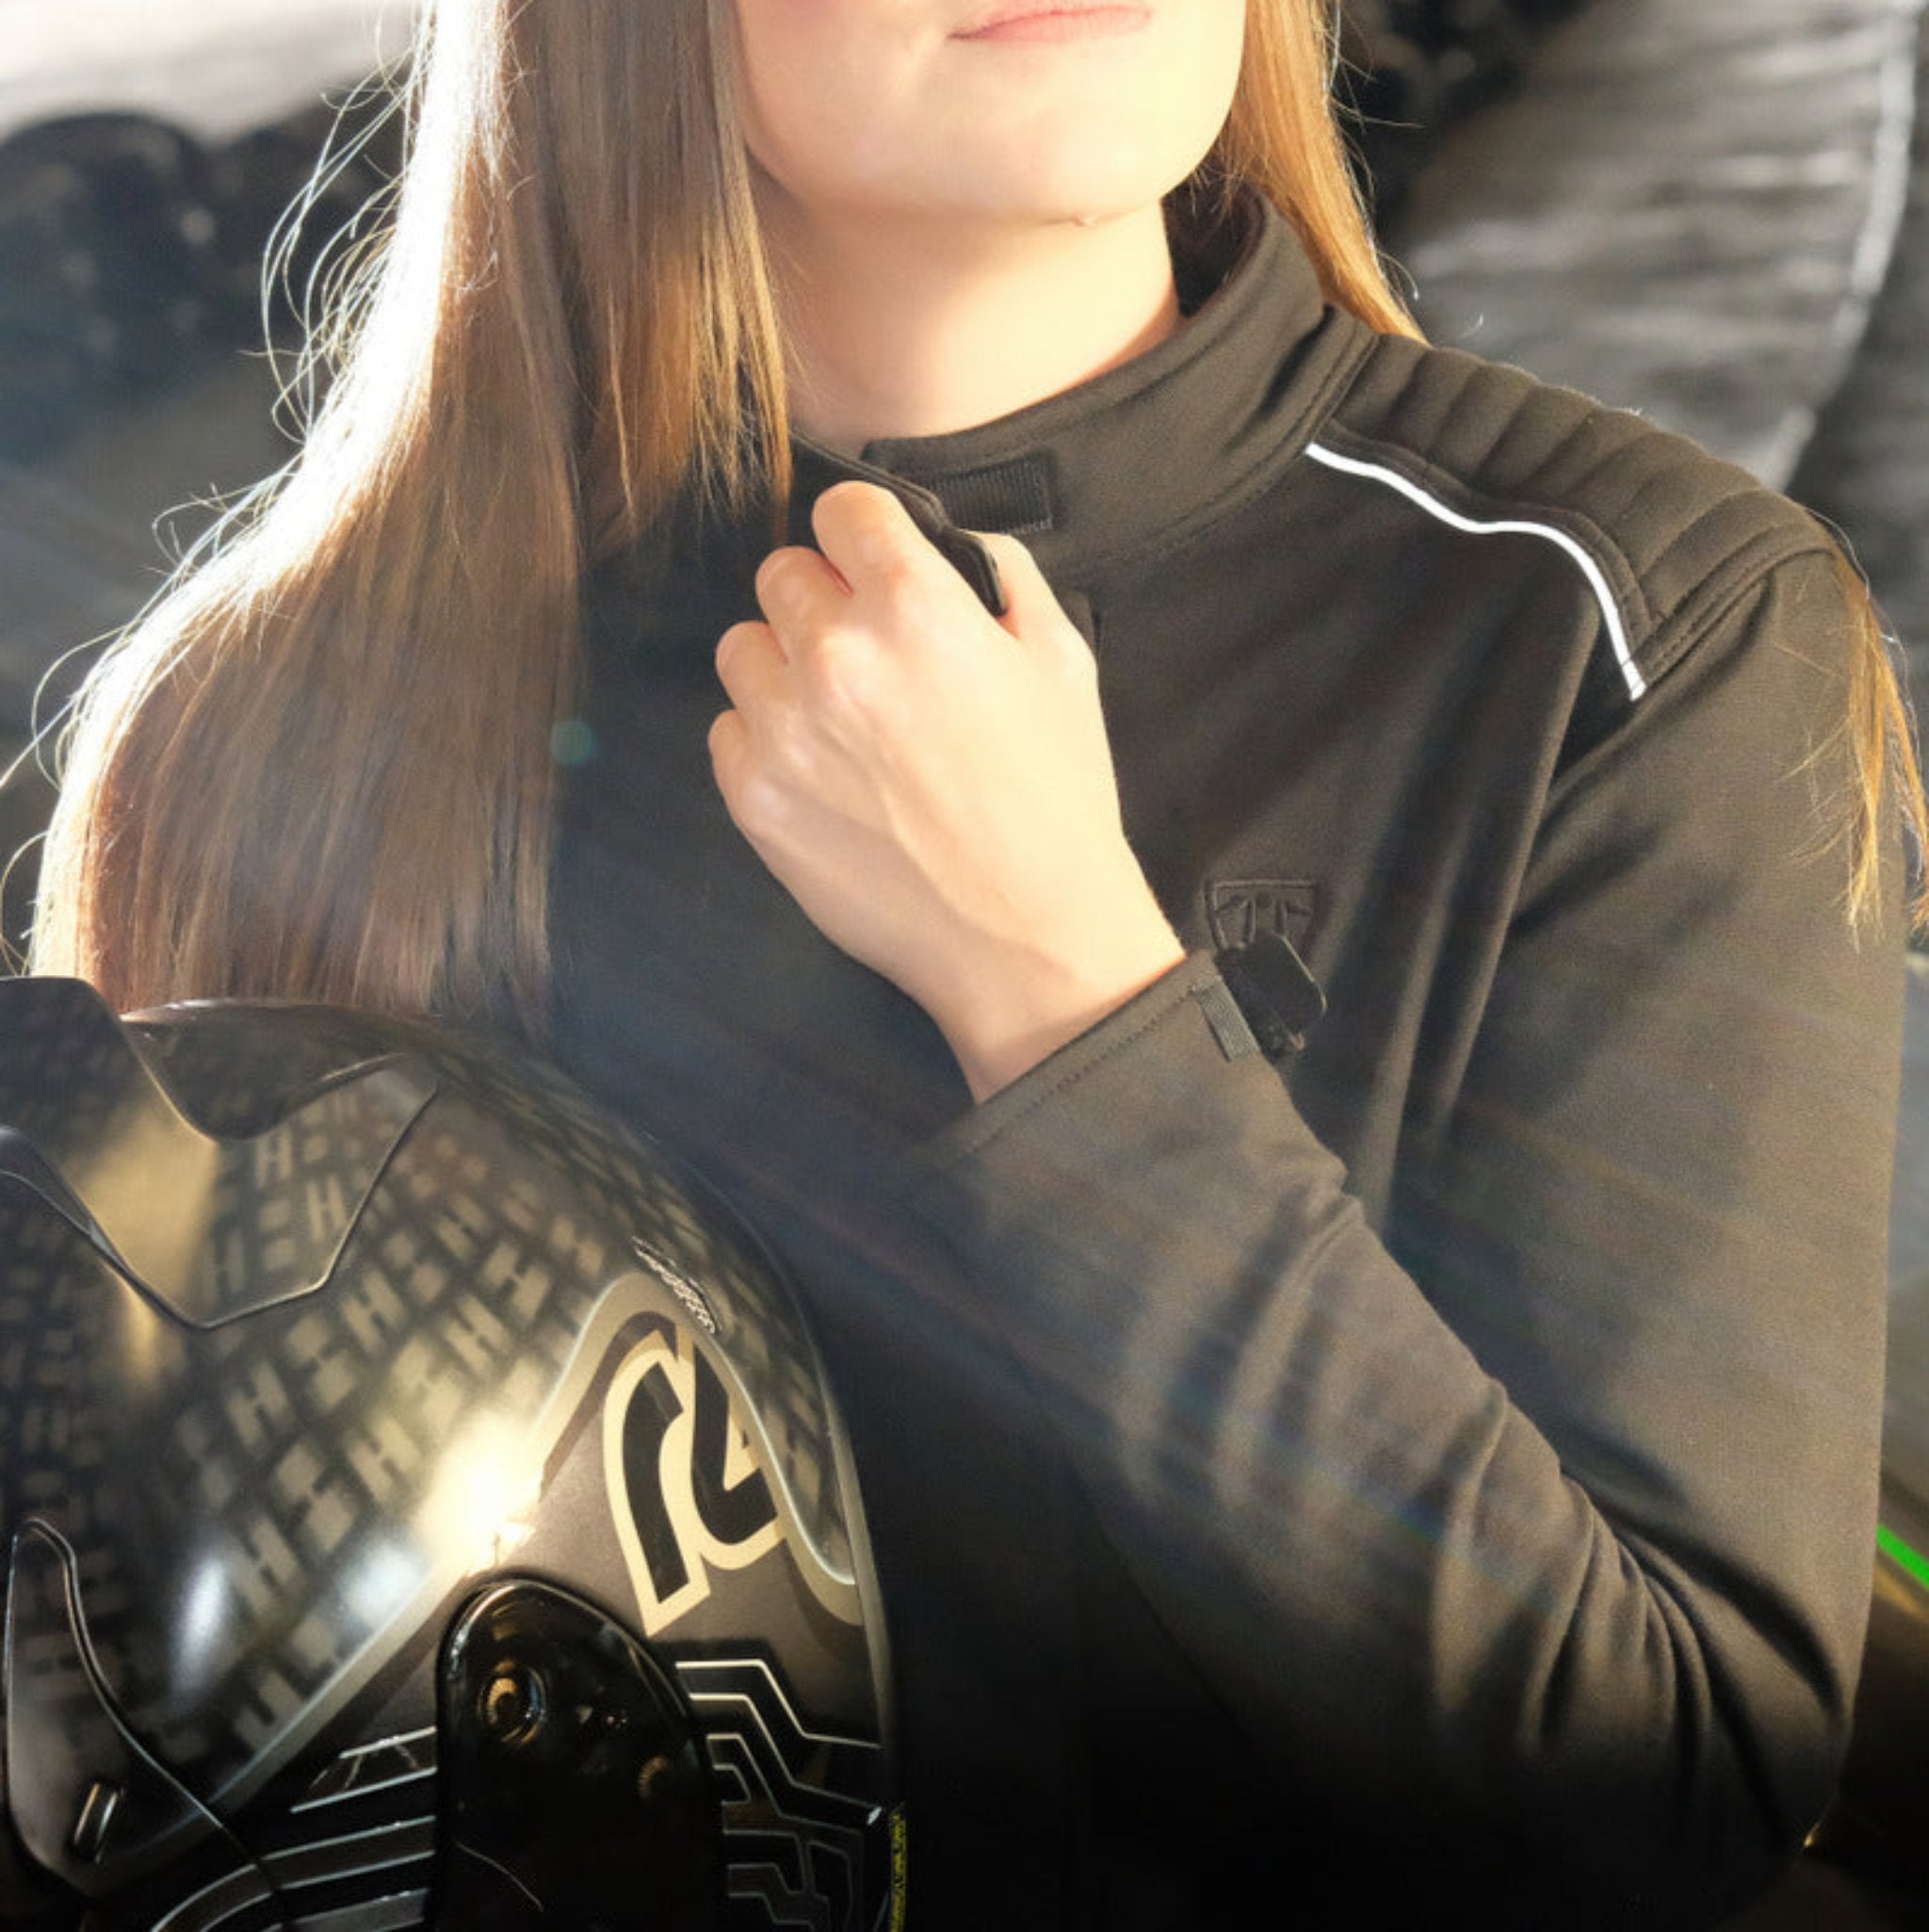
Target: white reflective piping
1597,583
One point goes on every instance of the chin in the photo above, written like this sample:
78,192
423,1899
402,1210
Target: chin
1089,188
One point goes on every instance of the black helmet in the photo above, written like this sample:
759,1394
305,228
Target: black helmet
423,1503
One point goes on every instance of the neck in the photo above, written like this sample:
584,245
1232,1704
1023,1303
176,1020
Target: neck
919,328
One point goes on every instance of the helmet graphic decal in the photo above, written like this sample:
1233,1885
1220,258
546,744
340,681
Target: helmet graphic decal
685,1486
797,1842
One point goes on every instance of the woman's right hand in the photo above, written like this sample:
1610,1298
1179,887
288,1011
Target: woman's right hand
933,785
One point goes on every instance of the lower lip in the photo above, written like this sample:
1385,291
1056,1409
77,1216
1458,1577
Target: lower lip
1088,23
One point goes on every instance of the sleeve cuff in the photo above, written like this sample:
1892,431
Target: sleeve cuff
1193,994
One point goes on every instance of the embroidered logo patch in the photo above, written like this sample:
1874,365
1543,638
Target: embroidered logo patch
1238,910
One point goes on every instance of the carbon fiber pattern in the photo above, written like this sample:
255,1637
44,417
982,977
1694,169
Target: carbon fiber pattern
217,1070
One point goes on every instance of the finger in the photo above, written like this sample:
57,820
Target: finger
730,761
798,590
869,536
751,664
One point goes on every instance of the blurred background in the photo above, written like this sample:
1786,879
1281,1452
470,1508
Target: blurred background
1712,211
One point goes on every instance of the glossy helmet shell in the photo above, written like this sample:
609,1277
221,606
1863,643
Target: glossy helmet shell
424,1505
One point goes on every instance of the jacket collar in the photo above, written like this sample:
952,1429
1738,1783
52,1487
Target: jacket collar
1116,468
1127,459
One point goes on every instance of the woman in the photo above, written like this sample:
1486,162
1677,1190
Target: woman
1417,1457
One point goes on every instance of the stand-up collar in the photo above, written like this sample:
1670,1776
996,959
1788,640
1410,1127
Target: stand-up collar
1128,458
1112,469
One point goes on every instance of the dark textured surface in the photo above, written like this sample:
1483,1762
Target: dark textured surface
1868,466
1685,210
1716,212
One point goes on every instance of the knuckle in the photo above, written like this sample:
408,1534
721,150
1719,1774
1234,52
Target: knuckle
843,668
777,578
757,800
735,641
900,573
755,788
866,520
846,499
774,727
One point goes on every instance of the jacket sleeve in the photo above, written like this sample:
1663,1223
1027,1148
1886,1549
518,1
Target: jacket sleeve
1543,1513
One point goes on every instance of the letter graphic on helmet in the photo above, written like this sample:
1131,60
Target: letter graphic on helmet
424,1505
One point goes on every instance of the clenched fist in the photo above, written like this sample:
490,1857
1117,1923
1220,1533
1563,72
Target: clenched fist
934,786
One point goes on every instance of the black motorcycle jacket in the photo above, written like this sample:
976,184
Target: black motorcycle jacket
1430,1463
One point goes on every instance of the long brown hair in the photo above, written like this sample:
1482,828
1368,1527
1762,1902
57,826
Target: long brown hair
322,766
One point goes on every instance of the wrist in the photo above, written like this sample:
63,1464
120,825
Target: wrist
1018,1013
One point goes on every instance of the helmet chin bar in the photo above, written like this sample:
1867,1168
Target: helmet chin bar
78,1777
575,1793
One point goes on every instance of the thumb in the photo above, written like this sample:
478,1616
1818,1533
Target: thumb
1032,611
